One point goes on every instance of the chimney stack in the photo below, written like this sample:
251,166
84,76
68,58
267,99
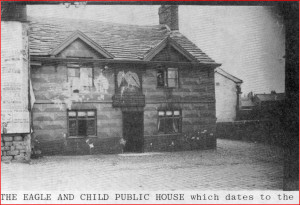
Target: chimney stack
13,11
168,14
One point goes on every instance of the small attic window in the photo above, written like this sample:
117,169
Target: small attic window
167,77
80,77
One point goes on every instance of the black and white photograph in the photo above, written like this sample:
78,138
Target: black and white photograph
157,102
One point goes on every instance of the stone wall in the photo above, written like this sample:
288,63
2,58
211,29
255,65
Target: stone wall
51,129
262,131
15,148
195,97
50,121
50,85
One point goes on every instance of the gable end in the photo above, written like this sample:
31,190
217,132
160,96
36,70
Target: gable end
81,36
174,46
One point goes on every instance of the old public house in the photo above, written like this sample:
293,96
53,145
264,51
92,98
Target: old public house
107,88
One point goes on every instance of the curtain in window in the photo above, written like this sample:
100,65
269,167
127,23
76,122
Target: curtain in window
176,125
161,125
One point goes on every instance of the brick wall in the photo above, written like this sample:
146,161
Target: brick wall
15,148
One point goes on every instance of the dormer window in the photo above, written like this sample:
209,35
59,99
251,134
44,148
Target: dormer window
167,78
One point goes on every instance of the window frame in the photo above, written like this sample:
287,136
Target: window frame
179,117
76,66
166,78
86,118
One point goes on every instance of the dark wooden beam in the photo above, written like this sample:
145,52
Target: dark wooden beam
55,60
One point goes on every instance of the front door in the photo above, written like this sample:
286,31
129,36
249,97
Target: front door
133,131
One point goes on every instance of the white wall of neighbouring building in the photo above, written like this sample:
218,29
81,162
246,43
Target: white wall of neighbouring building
226,98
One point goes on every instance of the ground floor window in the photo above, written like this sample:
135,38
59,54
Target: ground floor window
82,123
169,121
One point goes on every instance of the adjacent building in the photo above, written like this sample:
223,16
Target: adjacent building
15,101
228,91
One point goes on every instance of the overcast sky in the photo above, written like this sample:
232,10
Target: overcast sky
247,41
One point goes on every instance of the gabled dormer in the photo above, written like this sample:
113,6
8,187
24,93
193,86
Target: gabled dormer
80,45
169,50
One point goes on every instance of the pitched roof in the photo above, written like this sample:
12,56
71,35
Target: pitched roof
227,75
247,102
129,42
270,97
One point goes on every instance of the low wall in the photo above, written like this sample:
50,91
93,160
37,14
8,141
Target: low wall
263,131
15,148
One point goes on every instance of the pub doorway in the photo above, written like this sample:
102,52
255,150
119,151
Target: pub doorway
133,131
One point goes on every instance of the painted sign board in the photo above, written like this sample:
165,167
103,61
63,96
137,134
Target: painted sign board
15,116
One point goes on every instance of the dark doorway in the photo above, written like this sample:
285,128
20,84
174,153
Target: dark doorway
133,131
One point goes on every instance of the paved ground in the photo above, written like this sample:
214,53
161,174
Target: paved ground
234,165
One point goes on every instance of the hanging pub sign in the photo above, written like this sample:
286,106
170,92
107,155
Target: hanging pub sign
14,78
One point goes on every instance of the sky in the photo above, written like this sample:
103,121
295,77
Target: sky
247,40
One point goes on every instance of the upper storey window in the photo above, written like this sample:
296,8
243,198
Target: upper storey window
80,77
167,78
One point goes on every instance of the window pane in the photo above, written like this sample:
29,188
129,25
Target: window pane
86,76
161,113
91,130
160,78
72,114
161,125
73,72
72,128
172,73
169,125
172,82
81,114
82,127
176,113
172,77
91,113
169,113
